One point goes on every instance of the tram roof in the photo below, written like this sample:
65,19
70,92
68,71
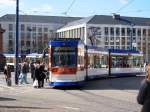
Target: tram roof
64,41
124,51
97,48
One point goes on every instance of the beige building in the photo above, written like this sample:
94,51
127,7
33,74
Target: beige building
111,32
34,31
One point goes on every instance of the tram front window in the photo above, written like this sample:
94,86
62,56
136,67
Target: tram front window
64,56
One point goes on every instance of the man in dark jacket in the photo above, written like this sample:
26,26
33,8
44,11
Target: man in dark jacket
143,97
7,72
42,75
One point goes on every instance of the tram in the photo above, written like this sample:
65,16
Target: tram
70,62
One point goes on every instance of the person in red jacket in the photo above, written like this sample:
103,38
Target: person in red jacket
143,97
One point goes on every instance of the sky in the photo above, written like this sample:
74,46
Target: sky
77,8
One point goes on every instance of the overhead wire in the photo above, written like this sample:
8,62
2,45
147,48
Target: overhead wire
123,7
68,9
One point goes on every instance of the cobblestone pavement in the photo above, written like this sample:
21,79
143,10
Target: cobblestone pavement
107,95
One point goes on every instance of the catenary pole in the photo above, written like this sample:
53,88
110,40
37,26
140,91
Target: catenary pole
17,41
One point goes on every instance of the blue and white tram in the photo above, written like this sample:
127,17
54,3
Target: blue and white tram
71,62
66,62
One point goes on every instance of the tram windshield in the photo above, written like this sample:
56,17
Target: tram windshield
64,56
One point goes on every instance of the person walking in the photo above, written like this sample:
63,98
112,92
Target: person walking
42,75
7,73
32,67
143,97
23,74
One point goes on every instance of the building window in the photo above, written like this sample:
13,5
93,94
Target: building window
128,31
148,32
10,35
128,47
28,43
111,43
139,32
133,31
22,42
29,29
10,27
39,29
106,39
45,29
106,30
123,31
112,47
117,39
128,43
22,27
117,43
34,29
111,31
10,43
111,39
144,32
22,35
106,43
117,47
117,31
123,47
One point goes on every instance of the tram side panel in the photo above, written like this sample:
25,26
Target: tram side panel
126,64
97,64
81,68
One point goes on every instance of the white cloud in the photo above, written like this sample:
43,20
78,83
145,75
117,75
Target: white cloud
5,3
123,1
45,8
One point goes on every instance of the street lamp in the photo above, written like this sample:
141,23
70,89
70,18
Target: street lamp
17,41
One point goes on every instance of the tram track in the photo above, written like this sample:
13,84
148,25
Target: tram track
99,99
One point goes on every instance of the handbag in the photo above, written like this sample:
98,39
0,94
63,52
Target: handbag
35,83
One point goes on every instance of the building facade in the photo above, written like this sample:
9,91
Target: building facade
115,31
111,32
34,32
1,38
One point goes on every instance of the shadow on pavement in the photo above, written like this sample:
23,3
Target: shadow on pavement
115,83
22,107
122,83
6,99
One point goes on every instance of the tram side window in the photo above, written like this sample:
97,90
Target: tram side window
120,61
96,61
136,61
81,62
103,61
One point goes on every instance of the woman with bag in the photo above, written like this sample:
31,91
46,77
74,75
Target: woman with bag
143,97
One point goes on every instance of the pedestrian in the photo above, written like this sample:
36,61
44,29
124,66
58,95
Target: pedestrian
37,74
7,73
32,67
23,74
42,75
143,97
